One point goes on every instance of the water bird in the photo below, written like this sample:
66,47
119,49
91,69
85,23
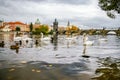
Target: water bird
45,39
71,38
15,47
102,39
2,44
86,41
22,37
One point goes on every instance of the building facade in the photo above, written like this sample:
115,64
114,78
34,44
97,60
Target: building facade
11,26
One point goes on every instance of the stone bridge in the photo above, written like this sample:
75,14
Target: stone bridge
100,32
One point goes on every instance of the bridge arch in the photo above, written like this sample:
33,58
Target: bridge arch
111,32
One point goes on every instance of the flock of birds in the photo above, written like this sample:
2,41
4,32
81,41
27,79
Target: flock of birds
86,40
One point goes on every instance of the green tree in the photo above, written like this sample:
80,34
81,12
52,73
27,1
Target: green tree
43,28
110,6
37,31
51,32
17,29
31,27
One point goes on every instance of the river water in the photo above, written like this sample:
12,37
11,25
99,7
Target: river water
60,61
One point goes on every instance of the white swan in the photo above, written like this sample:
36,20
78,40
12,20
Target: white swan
25,40
17,38
45,39
102,39
87,42
70,39
23,37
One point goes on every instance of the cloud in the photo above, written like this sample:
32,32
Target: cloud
79,12
73,2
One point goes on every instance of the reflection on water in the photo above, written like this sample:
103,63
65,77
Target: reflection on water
7,38
59,60
54,41
44,71
84,52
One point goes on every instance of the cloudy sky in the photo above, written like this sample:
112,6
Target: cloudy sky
78,12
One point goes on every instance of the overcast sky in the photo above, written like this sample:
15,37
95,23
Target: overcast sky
78,12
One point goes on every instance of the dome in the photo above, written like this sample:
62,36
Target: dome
37,21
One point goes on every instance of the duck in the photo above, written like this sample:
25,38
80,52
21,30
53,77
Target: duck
2,44
14,46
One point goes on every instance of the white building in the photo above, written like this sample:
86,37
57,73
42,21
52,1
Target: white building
6,28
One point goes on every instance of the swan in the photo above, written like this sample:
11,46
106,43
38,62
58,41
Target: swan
25,37
22,38
17,38
71,38
102,39
87,42
25,40
45,39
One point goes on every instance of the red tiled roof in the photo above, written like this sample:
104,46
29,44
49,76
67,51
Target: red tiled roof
1,27
17,22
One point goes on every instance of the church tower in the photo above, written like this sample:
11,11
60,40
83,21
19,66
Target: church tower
37,22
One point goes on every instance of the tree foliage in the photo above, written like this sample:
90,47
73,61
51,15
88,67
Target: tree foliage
31,27
43,28
110,6
17,29
72,28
